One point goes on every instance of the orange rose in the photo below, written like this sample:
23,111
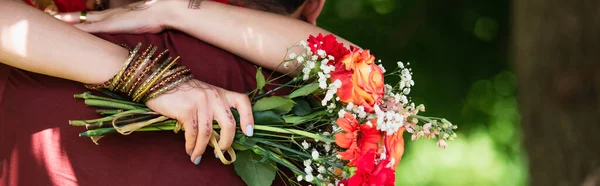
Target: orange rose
395,146
362,79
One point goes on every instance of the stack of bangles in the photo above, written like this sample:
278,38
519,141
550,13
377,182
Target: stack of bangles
143,77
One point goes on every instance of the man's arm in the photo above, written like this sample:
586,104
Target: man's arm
257,36
36,42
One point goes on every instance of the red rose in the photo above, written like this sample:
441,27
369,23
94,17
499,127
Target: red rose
368,173
328,44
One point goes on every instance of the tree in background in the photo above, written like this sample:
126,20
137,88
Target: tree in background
557,55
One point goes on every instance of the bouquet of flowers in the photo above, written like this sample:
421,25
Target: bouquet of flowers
341,124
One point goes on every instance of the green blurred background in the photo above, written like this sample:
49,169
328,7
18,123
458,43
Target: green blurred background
458,53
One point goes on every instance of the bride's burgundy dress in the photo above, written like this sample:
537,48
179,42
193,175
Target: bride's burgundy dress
38,147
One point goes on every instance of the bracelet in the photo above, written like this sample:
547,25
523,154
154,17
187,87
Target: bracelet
147,68
144,77
117,77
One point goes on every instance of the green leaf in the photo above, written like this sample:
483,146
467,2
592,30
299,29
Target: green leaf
238,147
252,171
261,117
296,120
279,105
260,80
304,90
301,108
268,118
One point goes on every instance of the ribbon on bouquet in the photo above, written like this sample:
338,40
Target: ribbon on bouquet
130,128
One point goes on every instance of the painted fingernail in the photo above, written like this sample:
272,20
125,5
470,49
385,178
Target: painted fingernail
191,152
249,130
197,160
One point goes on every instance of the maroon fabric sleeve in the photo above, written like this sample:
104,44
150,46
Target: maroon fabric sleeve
38,147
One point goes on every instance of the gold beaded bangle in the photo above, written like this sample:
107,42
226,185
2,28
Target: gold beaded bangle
152,76
117,77
137,67
168,87
173,74
139,96
147,68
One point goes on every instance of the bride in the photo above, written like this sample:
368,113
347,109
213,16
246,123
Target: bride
48,61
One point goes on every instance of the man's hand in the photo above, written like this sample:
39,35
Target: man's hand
136,18
196,104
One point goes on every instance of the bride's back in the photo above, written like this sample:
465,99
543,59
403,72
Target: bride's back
38,147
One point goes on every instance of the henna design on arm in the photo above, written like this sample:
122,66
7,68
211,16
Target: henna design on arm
139,5
194,4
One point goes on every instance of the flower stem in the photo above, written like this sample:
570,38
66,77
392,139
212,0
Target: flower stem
96,125
112,104
87,95
108,111
275,89
293,131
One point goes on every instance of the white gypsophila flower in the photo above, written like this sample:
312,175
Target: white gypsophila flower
332,89
341,113
309,178
369,124
388,89
383,156
389,122
344,175
305,144
404,99
314,57
391,163
334,127
321,169
300,59
402,84
286,65
305,75
322,80
325,61
330,57
307,162
400,64
311,64
360,110
338,156
382,68
330,184
315,154
299,178
321,53
303,43
293,55
327,146
319,176
350,106
337,98
331,106
308,66
308,170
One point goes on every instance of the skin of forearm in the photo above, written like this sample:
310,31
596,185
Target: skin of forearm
260,37
34,41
